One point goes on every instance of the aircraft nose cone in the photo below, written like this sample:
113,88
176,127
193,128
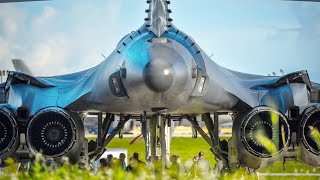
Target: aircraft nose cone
158,76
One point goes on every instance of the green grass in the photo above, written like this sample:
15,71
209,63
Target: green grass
291,167
187,148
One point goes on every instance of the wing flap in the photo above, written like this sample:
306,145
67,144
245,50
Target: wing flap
296,77
20,78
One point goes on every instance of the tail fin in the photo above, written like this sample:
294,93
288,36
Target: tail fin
20,66
158,19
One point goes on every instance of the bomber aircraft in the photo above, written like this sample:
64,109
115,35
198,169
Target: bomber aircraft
159,74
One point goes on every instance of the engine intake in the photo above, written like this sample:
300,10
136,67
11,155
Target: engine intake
261,135
310,131
8,133
309,136
55,132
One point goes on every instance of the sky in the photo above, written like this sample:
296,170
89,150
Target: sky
251,36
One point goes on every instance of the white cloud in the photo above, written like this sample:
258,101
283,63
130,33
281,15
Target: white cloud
55,41
50,57
47,13
4,48
59,40
10,25
4,54
247,49
113,9
11,19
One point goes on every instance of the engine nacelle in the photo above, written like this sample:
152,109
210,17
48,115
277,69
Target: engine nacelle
309,136
262,135
9,140
56,133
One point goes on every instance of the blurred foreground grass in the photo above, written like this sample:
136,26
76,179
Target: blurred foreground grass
187,148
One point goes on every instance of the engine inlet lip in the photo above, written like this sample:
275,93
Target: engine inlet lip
14,132
245,123
65,115
304,121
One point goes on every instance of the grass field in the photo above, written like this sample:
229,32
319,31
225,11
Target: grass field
187,148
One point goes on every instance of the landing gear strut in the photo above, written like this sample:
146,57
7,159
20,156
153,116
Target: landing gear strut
157,133
213,140
96,149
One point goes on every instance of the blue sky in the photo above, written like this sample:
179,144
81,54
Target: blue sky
253,36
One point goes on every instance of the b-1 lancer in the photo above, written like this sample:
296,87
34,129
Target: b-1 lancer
159,74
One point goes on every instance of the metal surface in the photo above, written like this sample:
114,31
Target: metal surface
158,16
163,135
145,87
100,130
9,140
55,133
153,139
215,138
158,69
308,138
248,129
20,66
215,149
145,130
100,149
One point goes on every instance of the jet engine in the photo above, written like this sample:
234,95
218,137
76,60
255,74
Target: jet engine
55,133
309,136
8,133
262,134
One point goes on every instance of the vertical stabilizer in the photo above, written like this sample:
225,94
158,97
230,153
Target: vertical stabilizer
158,16
20,66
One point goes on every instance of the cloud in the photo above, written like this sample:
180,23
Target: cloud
251,49
307,25
288,40
96,33
10,24
59,40
4,53
4,48
56,39
47,13
50,57
11,19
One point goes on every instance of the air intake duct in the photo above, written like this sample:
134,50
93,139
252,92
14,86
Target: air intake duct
55,133
309,136
8,133
262,134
